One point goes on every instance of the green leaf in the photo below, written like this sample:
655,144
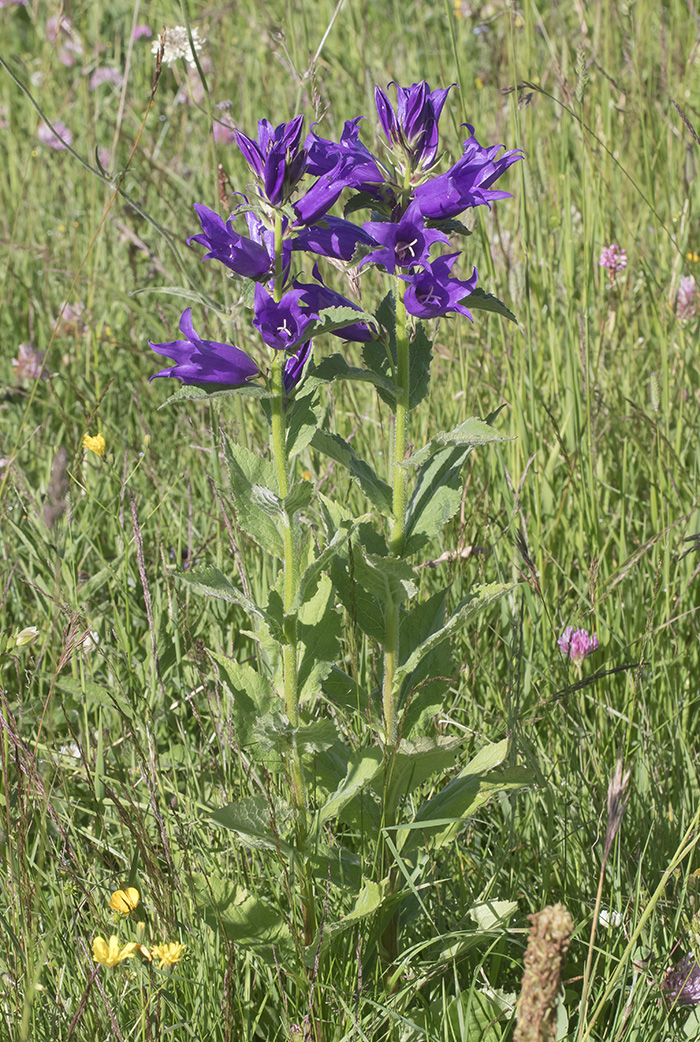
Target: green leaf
257,822
258,508
319,566
367,902
387,578
467,434
245,919
420,348
472,605
437,494
335,367
493,915
319,631
336,448
252,695
197,392
303,417
479,300
212,583
300,495
316,737
361,771
93,694
335,318
439,819
414,763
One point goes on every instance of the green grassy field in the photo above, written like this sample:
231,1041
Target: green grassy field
117,734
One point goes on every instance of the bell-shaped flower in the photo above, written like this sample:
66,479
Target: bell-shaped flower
294,366
467,183
413,128
316,296
359,169
240,254
431,292
333,237
282,324
402,244
204,361
276,158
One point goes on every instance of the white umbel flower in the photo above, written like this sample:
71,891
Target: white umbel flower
177,45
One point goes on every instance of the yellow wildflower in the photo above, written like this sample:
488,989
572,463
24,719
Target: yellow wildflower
111,954
167,954
96,444
124,901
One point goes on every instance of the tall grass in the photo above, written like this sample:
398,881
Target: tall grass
117,738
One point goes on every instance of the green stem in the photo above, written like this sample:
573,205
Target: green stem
291,582
399,482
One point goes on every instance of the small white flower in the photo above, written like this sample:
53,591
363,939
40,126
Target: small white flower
29,635
177,45
609,918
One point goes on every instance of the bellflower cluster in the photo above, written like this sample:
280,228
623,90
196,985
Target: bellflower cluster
295,183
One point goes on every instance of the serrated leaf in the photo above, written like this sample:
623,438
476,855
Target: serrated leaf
361,771
300,495
364,609
244,918
93,694
492,915
256,822
436,496
335,367
420,354
479,300
258,509
303,417
336,448
319,631
252,695
367,902
471,606
198,392
212,583
319,566
335,318
466,435
387,578
316,737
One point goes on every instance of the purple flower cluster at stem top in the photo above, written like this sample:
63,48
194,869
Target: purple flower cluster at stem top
288,215
577,644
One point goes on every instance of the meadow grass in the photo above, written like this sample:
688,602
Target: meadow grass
117,736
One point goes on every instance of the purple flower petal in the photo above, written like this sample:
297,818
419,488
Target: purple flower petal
334,237
282,324
204,361
240,254
402,244
467,183
431,292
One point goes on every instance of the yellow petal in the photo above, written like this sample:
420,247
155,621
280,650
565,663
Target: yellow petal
124,901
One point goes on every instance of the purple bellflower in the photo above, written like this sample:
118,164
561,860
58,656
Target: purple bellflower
204,361
359,169
240,254
282,324
577,644
404,244
294,367
467,183
431,293
276,158
413,128
333,237
315,296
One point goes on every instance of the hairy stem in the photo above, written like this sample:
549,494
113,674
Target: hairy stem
291,581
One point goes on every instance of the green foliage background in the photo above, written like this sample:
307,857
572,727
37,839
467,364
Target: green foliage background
116,736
